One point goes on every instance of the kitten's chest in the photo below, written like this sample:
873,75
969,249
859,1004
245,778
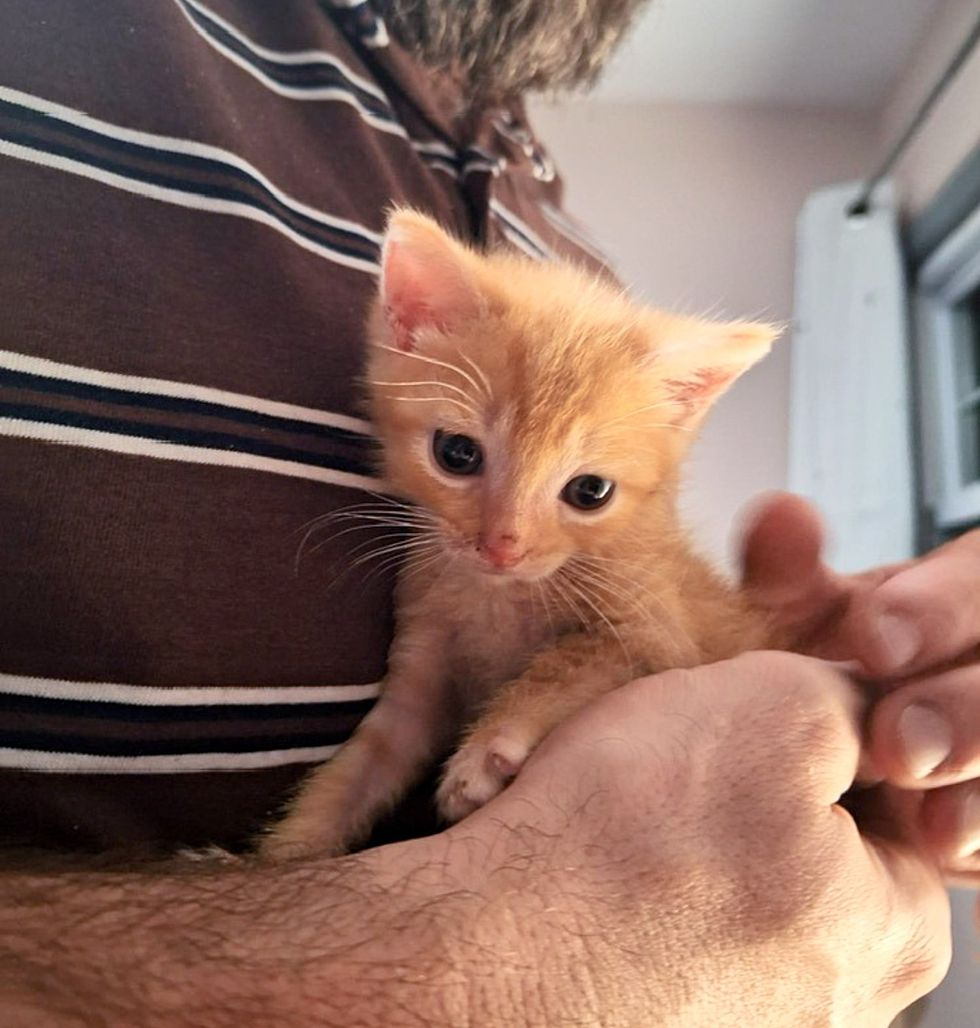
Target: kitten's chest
505,625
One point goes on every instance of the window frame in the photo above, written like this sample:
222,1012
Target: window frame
944,280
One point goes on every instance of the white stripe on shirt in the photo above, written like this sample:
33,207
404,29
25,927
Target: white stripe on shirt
194,201
170,144
183,696
288,56
163,764
517,225
180,390
141,446
295,92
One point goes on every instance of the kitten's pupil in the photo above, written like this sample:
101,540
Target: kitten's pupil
457,454
588,492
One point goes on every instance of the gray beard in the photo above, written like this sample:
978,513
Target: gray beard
504,48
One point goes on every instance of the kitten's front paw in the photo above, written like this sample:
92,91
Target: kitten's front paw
298,838
276,849
477,772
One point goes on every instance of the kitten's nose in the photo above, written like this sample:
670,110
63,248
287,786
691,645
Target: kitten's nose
502,551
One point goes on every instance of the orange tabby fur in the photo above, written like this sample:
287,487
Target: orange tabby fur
514,609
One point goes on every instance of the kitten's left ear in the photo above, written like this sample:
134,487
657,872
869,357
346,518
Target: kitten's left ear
425,280
697,361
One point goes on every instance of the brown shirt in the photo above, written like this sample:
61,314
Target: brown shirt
191,202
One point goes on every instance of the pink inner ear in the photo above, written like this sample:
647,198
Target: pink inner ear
404,318
696,392
423,286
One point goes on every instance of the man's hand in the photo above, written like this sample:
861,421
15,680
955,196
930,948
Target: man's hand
914,627
684,832
672,855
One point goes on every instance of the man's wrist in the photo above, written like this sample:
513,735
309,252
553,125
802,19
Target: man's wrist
412,927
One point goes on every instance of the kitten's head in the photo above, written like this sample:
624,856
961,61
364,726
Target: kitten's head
537,412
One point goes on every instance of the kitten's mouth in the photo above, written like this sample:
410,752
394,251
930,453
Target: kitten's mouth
501,567
522,571
501,574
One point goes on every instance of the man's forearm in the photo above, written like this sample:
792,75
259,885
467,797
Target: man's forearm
386,938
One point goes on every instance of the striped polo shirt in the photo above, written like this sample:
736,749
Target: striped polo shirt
192,196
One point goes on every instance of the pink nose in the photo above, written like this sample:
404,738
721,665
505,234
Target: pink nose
502,551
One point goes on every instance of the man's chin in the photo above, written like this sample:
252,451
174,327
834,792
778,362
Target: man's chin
505,48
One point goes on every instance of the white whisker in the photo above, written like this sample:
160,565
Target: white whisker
414,566
374,508
431,360
438,399
369,518
616,582
423,382
614,590
319,519
641,410
366,543
541,593
580,588
478,371
330,538
401,547
556,581
398,560
667,424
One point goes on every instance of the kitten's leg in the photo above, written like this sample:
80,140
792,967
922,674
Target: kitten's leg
340,801
560,680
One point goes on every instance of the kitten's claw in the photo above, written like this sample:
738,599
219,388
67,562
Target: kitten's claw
506,757
477,772
209,855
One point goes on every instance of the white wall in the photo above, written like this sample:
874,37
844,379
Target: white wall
956,1003
697,206
953,128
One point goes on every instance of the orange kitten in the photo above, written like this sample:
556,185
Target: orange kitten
536,419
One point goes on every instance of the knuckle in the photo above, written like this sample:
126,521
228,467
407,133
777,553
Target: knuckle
922,963
796,703
813,694
820,719
778,670
771,663
651,690
770,679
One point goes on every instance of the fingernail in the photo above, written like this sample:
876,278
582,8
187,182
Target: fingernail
970,825
926,738
900,638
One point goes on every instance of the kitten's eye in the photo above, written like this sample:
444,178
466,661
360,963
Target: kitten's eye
457,454
588,492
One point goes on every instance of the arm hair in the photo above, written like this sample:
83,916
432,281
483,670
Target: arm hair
391,937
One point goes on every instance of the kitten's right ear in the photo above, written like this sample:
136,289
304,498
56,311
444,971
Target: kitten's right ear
425,282
698,360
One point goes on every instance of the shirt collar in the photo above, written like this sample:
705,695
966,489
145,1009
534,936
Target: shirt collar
436,96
